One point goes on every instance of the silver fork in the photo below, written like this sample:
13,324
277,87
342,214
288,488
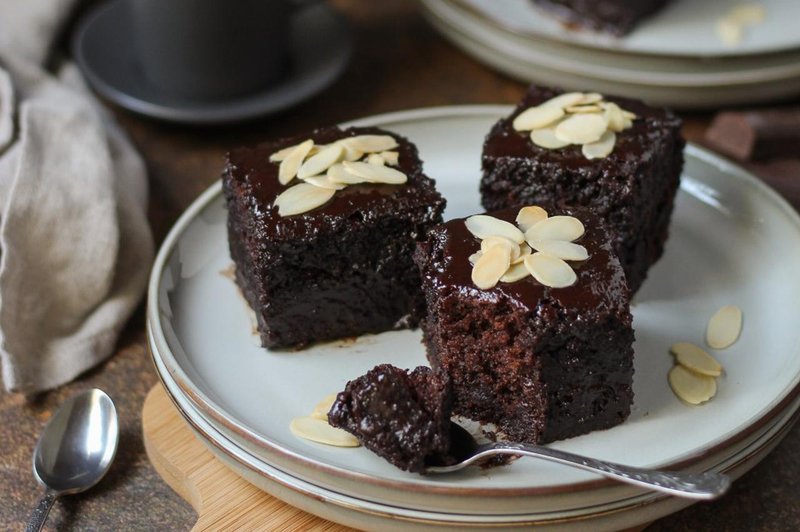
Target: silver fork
466,451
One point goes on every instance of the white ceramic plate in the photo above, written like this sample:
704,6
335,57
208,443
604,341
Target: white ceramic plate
683,28
674,81
733,241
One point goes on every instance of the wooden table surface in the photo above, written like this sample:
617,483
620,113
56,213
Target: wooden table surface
399,63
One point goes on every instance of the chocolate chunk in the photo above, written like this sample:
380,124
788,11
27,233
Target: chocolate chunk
755,135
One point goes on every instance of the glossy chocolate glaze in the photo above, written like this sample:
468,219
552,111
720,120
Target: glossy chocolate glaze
251,168
632,145
600,286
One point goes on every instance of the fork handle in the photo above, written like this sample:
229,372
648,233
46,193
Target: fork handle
689,485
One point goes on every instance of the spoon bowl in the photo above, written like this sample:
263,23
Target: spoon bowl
75,449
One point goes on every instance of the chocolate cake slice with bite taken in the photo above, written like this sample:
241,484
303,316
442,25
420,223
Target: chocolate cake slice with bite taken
528,315
617,17
404,417
616,156
322,227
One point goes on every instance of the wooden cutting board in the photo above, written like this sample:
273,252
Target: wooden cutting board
222,499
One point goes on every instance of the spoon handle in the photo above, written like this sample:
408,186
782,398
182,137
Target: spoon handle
39,515
692,485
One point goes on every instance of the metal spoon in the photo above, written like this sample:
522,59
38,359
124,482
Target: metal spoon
75,450
466,451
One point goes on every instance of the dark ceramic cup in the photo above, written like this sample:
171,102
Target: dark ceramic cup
212,49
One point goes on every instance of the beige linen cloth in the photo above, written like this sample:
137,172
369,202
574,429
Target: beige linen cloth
75,247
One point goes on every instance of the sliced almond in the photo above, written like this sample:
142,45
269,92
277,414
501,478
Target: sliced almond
629,115
490,267
696,359
293,161
561,249
320,162
302,198
339,174
280,155
591,108
614,117
537,117
729,31
513,247
372,143
724,327
317,430
524,251
591,97
600,149
748,14
474,257
483,226
566,228
323,407
582,128
391,157
374,173
564,100
691,387
529,216
350,153
374,158
323,181
549,270
546,138
514,273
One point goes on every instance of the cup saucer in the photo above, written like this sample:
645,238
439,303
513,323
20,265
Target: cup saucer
102,45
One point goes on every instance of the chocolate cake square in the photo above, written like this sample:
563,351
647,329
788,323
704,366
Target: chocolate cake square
617,17
541,363
632,188
404,417
342,268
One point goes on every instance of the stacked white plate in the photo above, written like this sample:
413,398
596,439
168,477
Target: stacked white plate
674,58
733,241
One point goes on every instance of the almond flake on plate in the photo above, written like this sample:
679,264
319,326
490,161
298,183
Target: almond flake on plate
690,386
549,270
546,138
566,228
320,162
490,267
529,216
323,407
581,129
515,273
601,148
374,173
302,198
561,249
696,359
372,143
291,163
483,226
724,327
317,430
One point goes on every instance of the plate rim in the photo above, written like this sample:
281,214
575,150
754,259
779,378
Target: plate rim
215,412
